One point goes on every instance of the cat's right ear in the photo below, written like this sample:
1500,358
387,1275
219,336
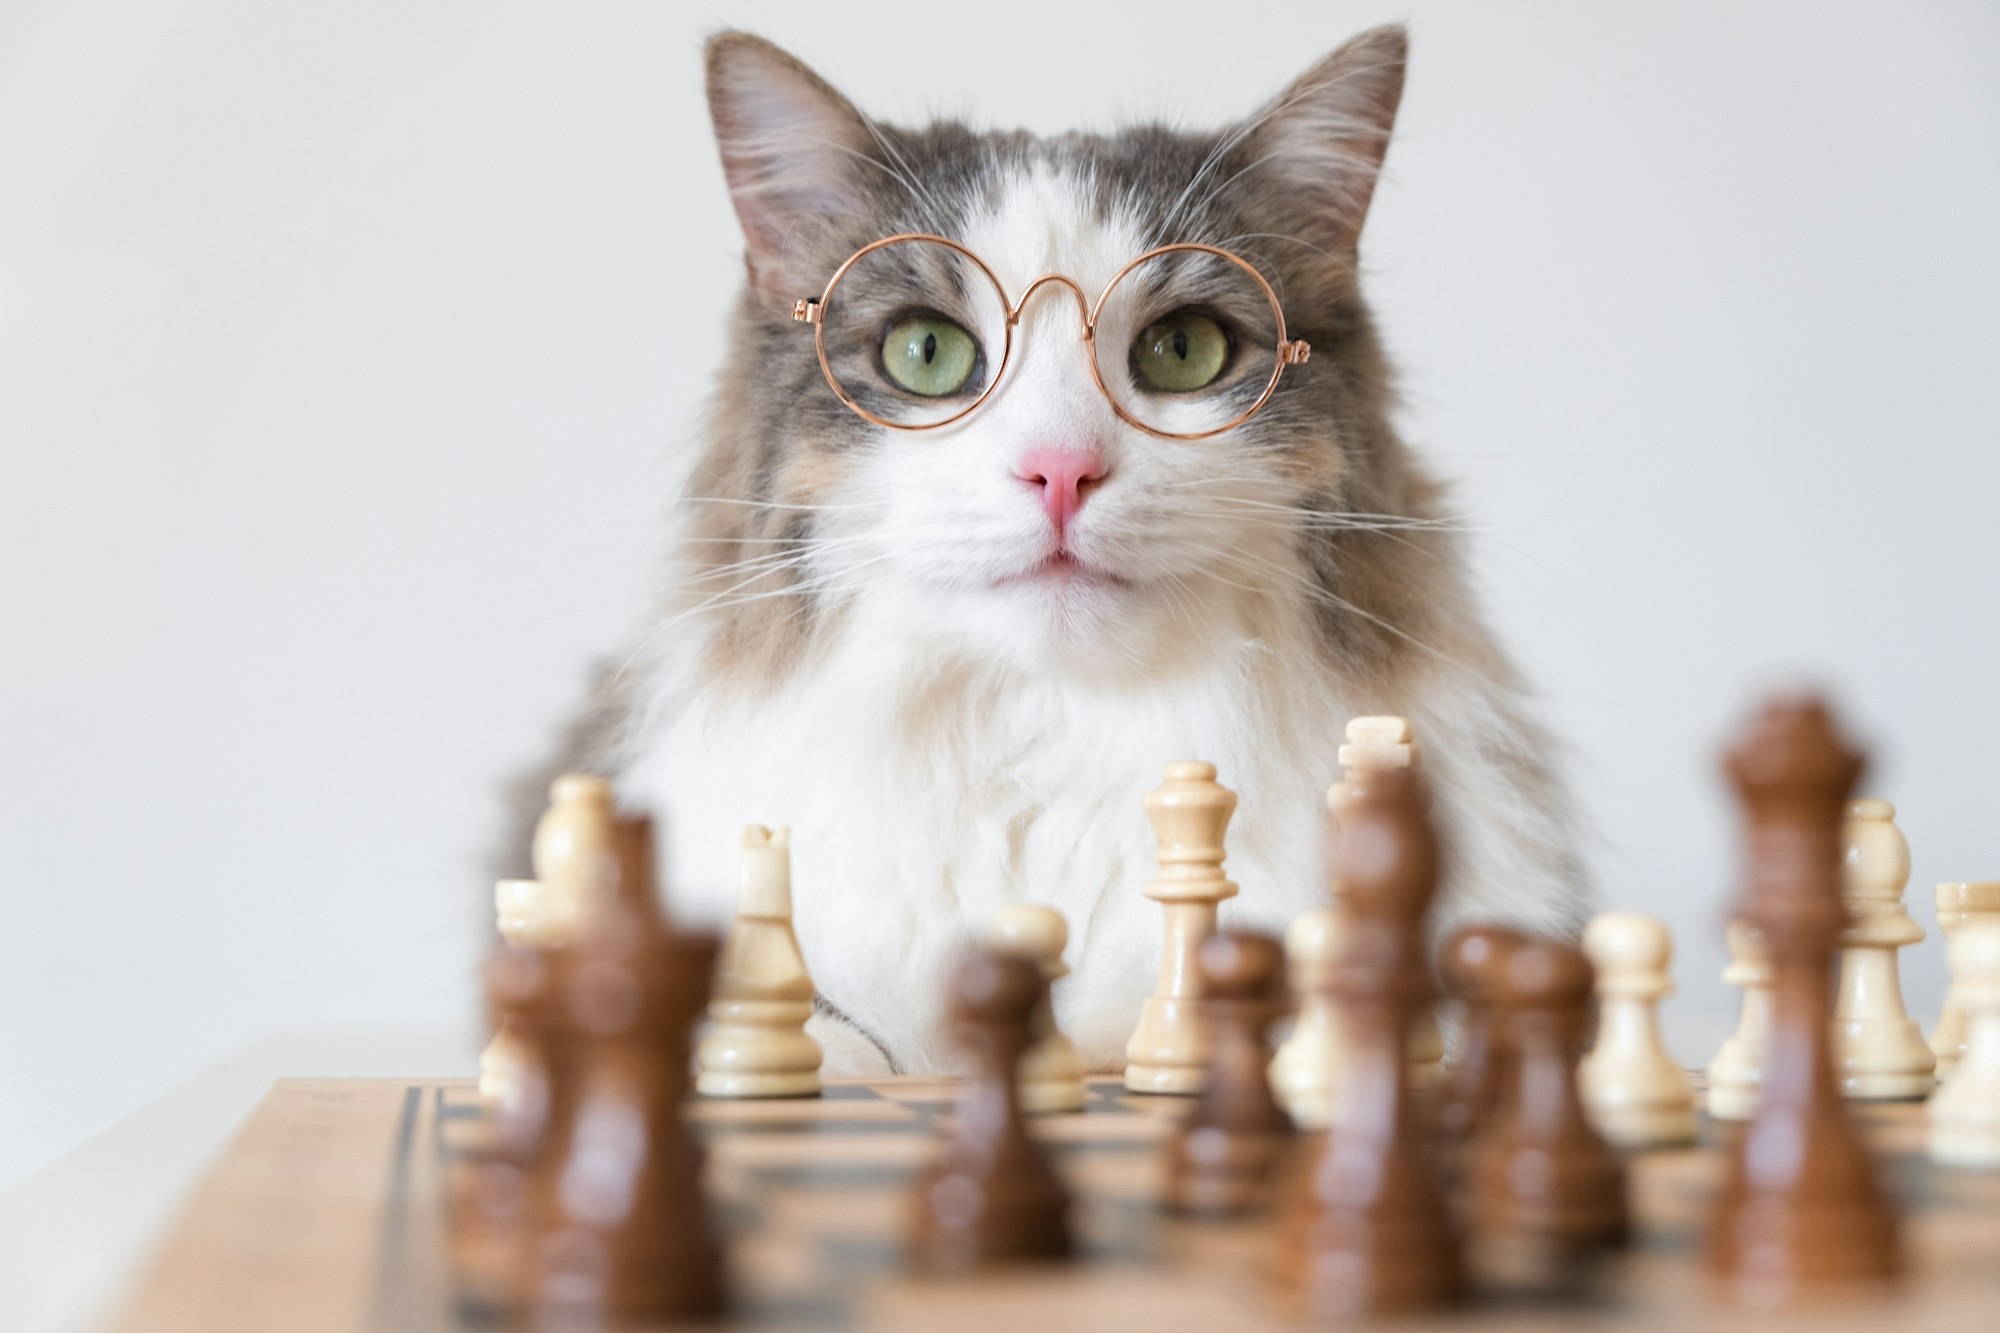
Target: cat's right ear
792,149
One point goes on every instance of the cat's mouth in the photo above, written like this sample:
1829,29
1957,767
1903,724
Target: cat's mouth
1063,568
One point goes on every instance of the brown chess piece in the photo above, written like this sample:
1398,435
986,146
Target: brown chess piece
490,1189
1368,1230
1221,1158
1545,1186
992,1197
621,1229
489,1186
1802,1206
1470,964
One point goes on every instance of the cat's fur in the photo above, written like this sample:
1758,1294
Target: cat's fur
835,650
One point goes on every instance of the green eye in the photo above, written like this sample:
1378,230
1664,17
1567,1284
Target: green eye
929,355
1184,351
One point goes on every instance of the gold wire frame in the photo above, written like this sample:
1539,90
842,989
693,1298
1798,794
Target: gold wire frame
1290,352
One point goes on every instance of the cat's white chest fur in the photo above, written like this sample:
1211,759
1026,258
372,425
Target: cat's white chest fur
920,803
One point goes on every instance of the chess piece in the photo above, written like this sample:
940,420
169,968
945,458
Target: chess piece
1470,963
1958,904
1367,1229
575,863
1546,1188
1802,1206
620,1229
525,923
1052,1070
1189,812
991,1198
1374,745
517,909
1965,1113
487,1217
1221,1159
1738,1067
1635,1094
1302,1072
763,994
1881,1053
573,854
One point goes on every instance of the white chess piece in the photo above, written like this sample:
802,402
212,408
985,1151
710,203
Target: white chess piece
1051,1074
574,852
1965,1113
1372,745
763,994
1737,1071
1303,1072
1880,1051
1956,905
518,904
1635,1094
1189,812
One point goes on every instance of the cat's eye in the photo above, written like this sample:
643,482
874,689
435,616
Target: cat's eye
1181,353
929,355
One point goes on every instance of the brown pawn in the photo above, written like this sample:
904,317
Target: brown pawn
619,1224
1368,1230
1803,1205
1221,1159
1470,965
1545,1185
991,1198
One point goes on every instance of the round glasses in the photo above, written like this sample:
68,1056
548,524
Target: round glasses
1185,342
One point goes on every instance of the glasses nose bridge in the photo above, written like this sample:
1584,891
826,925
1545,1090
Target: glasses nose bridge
1063,280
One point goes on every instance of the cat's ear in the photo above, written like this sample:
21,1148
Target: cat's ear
1315,150
793,150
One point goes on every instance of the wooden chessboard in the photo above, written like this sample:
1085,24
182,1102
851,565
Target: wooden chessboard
326,1213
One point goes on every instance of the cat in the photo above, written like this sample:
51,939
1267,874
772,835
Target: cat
954,660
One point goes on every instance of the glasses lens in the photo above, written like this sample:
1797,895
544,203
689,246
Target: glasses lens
1187,341
914,331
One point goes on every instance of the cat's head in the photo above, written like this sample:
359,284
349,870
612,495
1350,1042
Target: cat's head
1043,527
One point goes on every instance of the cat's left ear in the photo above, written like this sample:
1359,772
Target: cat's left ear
794,151
1316,150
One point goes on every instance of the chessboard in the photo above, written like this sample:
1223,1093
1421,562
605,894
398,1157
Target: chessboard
327,1213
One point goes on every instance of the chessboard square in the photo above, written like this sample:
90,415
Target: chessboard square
805,1112
1135,1132
933,1091
1123,1177
808,1151
1167,1109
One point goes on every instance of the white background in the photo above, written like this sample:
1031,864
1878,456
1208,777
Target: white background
343,346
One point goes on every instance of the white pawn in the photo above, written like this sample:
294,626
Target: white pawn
1965,1114
520,907
1051,1074
1956,905
763,994
574,852
1881,1053
1737,1071
1634,1093
1305,1069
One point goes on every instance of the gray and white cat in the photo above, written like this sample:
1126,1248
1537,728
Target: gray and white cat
954,660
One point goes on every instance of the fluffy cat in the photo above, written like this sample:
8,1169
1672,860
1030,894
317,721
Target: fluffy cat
954,667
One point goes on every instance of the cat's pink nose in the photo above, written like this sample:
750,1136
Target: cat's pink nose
1065,476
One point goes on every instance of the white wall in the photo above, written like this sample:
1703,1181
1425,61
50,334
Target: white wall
341,346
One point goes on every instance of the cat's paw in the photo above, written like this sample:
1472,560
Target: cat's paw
846,1050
